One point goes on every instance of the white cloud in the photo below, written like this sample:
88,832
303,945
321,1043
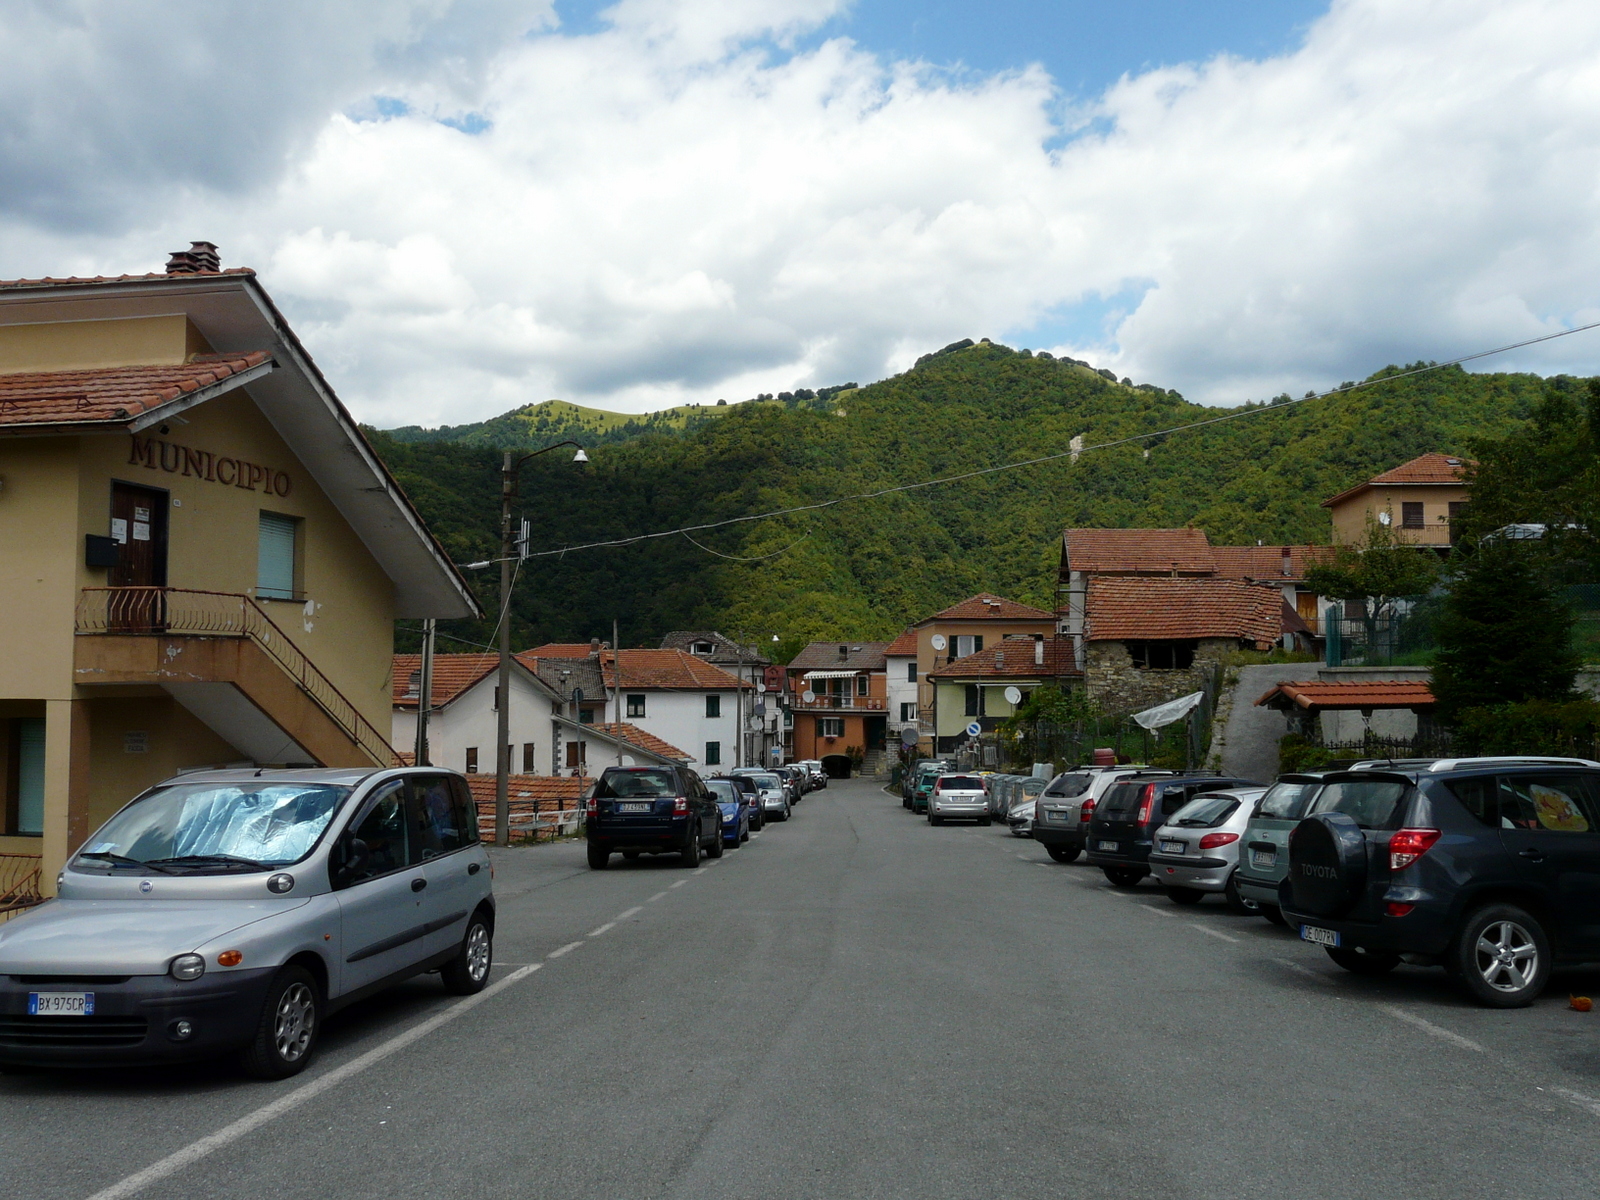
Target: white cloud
684,206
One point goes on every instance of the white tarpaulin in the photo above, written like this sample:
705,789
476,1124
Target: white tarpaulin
830,674
1173,710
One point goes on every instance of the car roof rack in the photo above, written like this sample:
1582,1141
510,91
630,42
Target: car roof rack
1466,763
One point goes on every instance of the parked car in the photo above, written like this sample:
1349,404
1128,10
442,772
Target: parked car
819,777
1483,866
752,796
917,801
798,779
774,796
958,796
228,913
915,773
652,810
1264,858
1061,820
1020,816
1122,830
1197,851
735,806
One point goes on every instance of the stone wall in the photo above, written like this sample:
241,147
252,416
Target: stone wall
1116,684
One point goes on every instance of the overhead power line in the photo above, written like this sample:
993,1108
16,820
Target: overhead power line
686,530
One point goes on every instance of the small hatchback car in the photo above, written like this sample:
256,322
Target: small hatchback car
652,810
228,912
1485,867
1197,851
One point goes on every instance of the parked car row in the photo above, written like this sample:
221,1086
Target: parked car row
662,809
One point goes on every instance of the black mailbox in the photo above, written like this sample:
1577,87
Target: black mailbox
99,552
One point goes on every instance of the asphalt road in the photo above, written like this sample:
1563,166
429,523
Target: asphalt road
859,1005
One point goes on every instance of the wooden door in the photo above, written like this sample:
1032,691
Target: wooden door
139,527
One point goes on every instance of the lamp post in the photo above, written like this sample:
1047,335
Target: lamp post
502,750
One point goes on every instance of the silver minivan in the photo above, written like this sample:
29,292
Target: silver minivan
229,912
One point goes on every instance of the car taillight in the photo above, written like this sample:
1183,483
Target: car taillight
1147,801
680,806
594,806
1212,840
1408,845
1086,811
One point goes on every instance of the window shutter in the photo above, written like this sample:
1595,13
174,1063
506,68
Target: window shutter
275,559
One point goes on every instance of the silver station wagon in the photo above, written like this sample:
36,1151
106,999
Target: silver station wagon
229,912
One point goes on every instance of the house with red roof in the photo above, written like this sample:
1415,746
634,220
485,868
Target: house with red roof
838,703
988,685
1420,499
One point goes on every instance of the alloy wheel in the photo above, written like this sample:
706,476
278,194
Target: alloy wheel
478,953
295,1022
1506,955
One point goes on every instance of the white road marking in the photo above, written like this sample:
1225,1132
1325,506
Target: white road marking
1301,968
1160,912
602,929
657,896
623,916
1588,1103
1438,1031
228,1134
1214,933
567,949
680,883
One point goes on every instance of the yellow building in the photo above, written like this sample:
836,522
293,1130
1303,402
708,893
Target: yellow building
1418,498
203,558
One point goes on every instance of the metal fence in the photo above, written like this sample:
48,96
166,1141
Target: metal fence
183,613
1403,636
19,883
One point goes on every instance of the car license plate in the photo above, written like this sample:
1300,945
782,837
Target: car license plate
61,1004
1055,816
1263,858
635,806
1322,937
1105,845
1172,847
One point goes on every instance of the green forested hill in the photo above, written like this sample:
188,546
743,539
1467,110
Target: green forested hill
867,568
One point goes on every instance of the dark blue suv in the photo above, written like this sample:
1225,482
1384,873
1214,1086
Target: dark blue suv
652,810
1487,867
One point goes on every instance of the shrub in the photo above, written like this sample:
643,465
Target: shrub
1569,728
1295,753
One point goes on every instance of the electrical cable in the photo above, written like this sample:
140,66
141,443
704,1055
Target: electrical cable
1033,462
737,558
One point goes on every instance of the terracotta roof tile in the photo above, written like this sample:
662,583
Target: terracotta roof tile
1134,609
1013,658
528,795
558,650
819,656
1138,551
988,607
904,646
114,394
638,737
92,280
1266,562
1432,468
452,675
1318,696
667,669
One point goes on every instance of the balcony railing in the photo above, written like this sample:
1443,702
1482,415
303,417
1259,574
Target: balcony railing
19,883
842,703
178,612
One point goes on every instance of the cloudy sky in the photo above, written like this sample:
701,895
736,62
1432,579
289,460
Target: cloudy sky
466,205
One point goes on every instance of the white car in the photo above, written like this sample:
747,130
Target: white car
960,796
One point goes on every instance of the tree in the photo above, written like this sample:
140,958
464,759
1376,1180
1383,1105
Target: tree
1505,635
1376,572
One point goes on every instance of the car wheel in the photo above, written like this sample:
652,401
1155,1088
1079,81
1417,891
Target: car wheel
1237,903
1272,913
286,1034
1501,956
598,856
1124,877
1183,895
691,849
1063,854
1363,962
468,972
718,845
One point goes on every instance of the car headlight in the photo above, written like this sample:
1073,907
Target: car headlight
187,966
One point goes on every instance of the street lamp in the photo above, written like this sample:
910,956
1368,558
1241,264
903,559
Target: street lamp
502,752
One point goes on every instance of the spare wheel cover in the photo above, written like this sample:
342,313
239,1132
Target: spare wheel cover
1327,864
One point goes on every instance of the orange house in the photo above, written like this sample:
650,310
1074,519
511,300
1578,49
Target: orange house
840,702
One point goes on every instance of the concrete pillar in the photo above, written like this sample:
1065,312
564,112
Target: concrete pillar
66,785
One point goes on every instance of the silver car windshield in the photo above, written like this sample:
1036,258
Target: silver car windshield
770,782
1206,812
217,826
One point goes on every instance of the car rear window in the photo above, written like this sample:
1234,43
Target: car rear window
769,782
1123,798
645,782
1067,786
1287,801
1371,803
961,783
1206,812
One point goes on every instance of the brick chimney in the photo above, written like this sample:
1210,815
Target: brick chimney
199,259
1288,562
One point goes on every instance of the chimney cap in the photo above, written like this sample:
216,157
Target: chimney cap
200,258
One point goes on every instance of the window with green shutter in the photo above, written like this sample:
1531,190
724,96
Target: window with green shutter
275,561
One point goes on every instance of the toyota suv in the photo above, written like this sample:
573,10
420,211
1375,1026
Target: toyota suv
1061,821
652,810
1485,867
1122,830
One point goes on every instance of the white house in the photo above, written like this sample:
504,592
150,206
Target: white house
900,674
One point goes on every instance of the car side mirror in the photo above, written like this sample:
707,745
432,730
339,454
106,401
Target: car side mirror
355,857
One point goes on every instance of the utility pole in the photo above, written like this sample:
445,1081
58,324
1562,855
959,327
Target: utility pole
616,683
424,696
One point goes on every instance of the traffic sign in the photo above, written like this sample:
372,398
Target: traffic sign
974,729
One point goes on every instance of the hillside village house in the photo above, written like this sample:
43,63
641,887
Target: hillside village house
1420,499
977,689
670,695
900,687
203,557
760,712
847,703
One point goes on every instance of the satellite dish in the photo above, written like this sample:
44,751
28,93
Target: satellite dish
760,687
938,641
755,724
1013,695
808,695
1385,518
909,736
